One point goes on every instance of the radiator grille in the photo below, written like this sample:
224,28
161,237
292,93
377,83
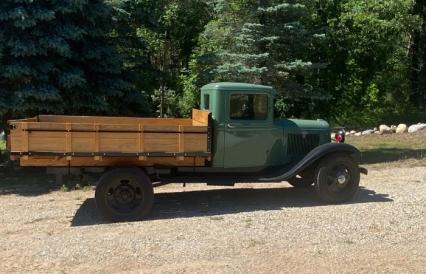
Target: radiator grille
299,144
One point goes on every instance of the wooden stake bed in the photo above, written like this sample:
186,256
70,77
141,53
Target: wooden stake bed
54,140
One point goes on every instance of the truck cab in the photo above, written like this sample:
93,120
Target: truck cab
245,132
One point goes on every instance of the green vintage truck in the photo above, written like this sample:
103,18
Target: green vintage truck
233,138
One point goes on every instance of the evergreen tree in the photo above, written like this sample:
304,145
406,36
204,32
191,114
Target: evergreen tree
267,44
55,58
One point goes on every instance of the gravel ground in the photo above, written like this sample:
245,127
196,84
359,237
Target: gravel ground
255,228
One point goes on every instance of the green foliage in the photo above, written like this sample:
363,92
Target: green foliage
353,62
169,30
55,58
368,78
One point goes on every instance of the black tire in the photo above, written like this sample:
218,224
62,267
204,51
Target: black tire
305,180
337,179
124,194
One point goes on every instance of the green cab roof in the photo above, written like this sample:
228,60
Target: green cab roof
233,86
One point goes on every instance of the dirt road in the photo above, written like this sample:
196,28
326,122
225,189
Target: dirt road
248,229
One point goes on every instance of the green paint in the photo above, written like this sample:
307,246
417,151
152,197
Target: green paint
254,143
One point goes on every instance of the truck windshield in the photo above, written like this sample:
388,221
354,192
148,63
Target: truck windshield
249,107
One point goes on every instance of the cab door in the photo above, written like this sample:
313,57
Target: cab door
251,140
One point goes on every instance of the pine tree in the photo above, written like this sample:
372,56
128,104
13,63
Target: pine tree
267,43
55,58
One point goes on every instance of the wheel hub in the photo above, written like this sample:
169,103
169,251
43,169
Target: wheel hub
124,194
341,179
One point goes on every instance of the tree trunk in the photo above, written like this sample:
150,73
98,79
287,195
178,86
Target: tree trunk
418,59
162,100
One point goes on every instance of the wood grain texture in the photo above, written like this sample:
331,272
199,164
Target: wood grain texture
200,117
110,161
86,134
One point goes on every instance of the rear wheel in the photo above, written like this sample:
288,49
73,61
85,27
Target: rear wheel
337,179
124,194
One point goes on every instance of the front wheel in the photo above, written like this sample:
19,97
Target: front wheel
337,179
124,194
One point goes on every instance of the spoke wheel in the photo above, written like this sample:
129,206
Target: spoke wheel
124,194
337,179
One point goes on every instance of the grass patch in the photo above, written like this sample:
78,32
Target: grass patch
392,147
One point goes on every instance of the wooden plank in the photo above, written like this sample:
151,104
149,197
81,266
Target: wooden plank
45,141
198,129
200,117
32,119
110,161
16,140
161,142
118,142
195,142
83,142
113,120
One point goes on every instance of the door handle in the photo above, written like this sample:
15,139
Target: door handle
233,125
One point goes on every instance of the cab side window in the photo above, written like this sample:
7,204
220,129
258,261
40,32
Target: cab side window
249,107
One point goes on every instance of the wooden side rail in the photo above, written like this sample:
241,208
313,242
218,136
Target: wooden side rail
79,138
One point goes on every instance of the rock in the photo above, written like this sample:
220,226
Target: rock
358,134
393,128
376,132
384,129
416,127
375,129
367,132
401,128
352,132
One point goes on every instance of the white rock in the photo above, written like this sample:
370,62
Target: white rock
384,129
376,132
416,127
401,128
367,132
375,129
358,134
393,128
352,132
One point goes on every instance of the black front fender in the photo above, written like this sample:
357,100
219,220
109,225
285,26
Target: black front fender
313,156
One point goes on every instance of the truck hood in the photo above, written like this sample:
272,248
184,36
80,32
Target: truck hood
297,125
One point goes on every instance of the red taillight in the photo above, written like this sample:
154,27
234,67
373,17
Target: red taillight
338,137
